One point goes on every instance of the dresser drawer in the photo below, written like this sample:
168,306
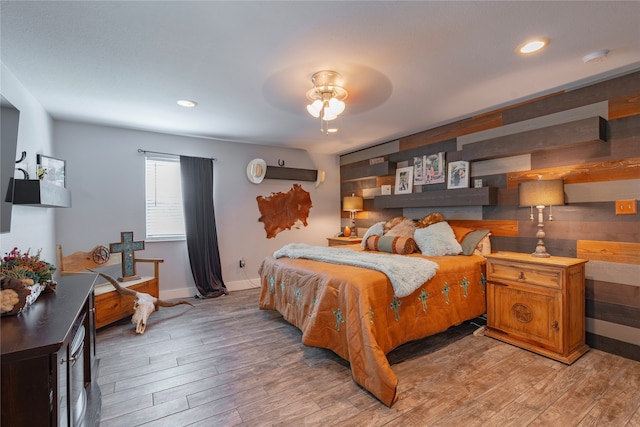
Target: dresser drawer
515,272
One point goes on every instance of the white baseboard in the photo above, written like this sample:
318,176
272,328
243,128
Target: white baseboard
189,292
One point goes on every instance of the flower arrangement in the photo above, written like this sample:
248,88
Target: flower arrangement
22,278
30,269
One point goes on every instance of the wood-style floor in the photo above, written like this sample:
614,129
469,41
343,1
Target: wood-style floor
226,363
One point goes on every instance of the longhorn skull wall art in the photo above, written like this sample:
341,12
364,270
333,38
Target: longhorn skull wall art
143,305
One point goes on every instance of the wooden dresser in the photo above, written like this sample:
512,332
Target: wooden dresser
537,304
48,359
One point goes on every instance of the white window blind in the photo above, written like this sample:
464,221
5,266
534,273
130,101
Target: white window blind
165,217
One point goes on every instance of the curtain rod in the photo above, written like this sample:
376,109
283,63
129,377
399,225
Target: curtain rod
140,150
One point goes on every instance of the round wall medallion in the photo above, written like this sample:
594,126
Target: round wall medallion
100,254
522,313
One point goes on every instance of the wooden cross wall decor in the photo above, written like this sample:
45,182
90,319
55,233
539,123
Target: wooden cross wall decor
127,246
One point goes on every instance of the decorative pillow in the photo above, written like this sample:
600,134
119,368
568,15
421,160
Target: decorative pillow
471,241
392,223
375,230
404,228
460,232
437,240
393,244
432,218
484,247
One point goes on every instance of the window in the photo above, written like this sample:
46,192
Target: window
165,218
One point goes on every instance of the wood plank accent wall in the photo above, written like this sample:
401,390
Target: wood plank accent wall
595,173
611,170
558,136
613,309
605,91
626,253
463,127
624,106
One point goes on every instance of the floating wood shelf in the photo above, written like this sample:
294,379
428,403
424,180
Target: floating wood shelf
369,171
458,197
33,192
293,174
558,136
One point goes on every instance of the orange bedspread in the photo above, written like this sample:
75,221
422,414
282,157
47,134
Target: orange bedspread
354,312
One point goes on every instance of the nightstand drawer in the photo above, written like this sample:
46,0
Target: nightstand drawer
513,272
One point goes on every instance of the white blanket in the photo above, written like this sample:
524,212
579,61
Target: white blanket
405,273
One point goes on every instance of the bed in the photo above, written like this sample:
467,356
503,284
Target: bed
356,312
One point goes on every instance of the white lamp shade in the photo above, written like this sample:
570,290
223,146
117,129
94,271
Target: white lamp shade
336,106
541,193
328,114
315,108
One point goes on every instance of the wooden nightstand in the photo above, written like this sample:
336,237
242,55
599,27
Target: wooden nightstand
537,304
339,241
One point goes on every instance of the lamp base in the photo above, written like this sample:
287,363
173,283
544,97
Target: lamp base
541,255
541,250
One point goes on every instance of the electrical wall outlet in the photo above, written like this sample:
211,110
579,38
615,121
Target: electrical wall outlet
241,263
626,207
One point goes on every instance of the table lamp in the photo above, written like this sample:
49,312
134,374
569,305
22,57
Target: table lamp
540,194
352,204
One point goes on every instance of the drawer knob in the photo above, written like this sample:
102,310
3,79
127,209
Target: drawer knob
555,326
521,276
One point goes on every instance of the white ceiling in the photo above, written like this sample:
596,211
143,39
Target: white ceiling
408,66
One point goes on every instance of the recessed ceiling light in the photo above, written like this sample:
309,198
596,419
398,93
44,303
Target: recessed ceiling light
533,46
187,103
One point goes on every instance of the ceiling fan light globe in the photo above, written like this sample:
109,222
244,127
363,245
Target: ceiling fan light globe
328,114
336,106
315,112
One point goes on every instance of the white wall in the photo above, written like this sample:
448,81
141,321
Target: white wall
31,227
105,174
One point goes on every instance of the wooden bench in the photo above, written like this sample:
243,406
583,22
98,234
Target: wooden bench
110,306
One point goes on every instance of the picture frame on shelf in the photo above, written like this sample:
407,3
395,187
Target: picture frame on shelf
458,175
51,170
404,180
429,169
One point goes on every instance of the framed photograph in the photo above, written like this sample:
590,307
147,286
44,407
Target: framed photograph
458,175
429,169
404,180
51,170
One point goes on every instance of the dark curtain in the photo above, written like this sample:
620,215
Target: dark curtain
200,224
